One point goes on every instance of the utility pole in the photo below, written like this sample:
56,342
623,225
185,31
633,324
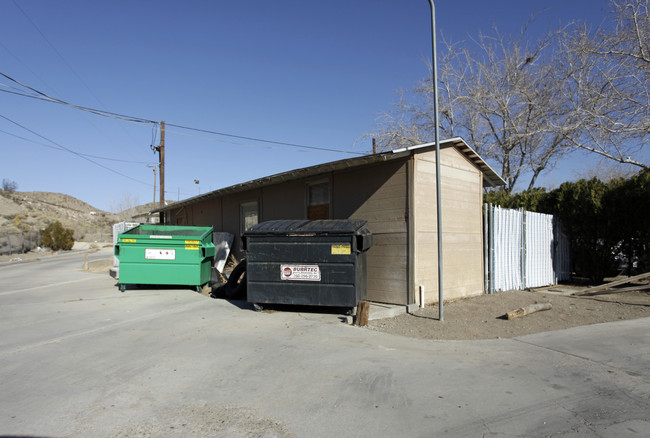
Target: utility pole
161,165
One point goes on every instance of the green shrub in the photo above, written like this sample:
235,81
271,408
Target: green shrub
581,208
628,208
531,200
55,237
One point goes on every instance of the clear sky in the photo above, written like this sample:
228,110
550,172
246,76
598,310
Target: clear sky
300,72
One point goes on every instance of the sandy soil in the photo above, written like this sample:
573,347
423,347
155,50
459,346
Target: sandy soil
482,317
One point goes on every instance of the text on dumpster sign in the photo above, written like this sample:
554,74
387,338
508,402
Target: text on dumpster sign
300,272
159,254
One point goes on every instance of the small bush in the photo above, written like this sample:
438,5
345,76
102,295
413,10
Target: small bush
55,237
9,186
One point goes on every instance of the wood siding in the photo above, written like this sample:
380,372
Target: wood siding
378,194
404,253
284,201
461,221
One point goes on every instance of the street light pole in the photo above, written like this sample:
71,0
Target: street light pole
437,140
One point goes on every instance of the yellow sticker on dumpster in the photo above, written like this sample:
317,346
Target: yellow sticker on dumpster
192,247
192,242
128,240
341,249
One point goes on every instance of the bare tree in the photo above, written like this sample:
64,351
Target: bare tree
607,170
125,206
501,96
525,105
609,88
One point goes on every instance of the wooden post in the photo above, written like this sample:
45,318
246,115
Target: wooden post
85,261
363,309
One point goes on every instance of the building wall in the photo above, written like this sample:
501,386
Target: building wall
378,194
284,201
461,221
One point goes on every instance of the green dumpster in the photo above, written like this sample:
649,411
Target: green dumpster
165,254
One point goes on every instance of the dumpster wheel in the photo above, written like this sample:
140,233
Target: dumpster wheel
122,287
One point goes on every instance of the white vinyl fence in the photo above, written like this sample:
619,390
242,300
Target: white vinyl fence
120,228
523,250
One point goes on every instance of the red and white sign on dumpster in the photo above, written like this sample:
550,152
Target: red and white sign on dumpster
300,272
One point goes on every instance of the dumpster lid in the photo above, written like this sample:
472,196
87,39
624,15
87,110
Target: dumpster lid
168,230
331,226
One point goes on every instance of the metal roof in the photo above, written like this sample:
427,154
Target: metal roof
490,177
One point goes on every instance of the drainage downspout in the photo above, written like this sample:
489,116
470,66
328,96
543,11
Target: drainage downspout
437,140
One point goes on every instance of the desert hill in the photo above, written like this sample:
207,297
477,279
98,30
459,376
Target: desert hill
21,212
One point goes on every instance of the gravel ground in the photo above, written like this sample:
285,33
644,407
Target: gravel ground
482,317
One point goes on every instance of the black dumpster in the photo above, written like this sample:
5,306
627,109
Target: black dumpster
316,263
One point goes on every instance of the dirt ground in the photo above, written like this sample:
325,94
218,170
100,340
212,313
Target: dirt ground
482,317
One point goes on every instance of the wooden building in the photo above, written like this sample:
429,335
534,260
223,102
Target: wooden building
396,193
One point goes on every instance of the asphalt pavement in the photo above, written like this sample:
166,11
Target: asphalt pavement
80,359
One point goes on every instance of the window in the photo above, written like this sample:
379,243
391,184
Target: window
318,201
249,215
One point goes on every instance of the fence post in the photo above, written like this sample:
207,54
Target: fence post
523,249
9,243
486,258
492,249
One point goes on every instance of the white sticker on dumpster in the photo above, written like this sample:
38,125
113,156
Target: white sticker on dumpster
300,272
159,254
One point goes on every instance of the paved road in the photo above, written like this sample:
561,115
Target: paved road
78,358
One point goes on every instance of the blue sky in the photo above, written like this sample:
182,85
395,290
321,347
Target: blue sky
300,72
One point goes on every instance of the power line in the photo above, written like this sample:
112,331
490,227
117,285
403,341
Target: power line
73,152
58,53
187,134
25,65
79,153
74,72
45,97
262,140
